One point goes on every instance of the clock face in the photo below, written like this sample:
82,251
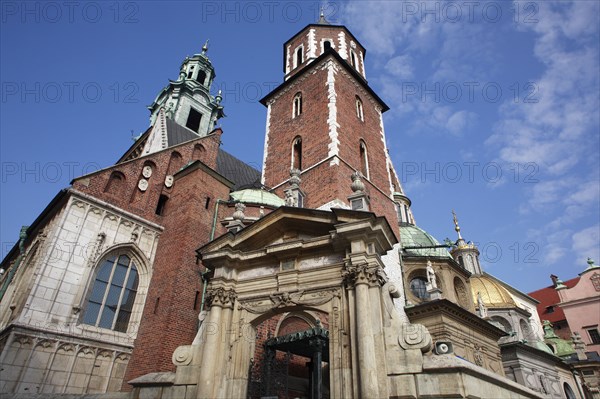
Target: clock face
147,171
143,184
169,181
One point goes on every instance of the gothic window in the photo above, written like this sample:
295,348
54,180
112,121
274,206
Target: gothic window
418,286
201,77
297,106
359,109
297,153
326,45
299,59
193,120
364,160
112,295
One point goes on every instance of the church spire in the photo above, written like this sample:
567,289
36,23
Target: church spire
187,101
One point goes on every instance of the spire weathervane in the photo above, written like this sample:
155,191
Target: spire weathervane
205,47
456,226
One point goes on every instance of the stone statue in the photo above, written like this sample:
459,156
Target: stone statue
431,275
481,306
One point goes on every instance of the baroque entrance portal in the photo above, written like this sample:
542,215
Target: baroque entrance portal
293,366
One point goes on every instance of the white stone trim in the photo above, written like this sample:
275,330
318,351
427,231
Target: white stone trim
266,145
312,45
362,63
334,144
343,46
287,60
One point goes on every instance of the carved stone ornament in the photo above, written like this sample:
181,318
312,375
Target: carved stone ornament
363,274
143,184
169,181
478,355
596,281
282,299
414,336
183,355
220,297
147,171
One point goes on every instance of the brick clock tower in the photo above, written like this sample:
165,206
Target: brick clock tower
325,143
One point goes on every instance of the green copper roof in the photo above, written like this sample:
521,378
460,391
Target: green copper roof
413,236
257,196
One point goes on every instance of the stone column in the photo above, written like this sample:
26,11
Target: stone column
217,299
362,276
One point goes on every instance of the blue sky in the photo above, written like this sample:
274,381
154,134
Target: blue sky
494,106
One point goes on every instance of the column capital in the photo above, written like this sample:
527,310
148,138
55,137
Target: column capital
364,273
221,297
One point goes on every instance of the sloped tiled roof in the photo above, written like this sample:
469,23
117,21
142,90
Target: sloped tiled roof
549,297
239,172
177,134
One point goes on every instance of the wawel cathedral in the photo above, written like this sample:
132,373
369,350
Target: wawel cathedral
182,272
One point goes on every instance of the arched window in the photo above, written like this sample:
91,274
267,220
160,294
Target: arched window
297,153
326,45
353,58
201,77
418,286
364,160
111,297
115,183
359,109
299,57
569,391
297,106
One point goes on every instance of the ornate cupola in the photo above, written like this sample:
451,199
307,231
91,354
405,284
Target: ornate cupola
465,253
187,100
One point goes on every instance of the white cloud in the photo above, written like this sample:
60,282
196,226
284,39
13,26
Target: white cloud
586,243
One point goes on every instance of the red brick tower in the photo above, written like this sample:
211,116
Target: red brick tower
326,122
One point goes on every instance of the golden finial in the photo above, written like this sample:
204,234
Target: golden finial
456,226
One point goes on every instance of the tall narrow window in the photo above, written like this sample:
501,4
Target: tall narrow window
359,109
297,153
297,107
201,77
193,120
190,72
162,203
110,300
353,58
364,160
326,45
299,57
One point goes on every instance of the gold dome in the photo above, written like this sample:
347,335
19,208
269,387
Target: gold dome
493,294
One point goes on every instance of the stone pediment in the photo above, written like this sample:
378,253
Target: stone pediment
289,230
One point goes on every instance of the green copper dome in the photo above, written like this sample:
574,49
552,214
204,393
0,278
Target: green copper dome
257,196
413,236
